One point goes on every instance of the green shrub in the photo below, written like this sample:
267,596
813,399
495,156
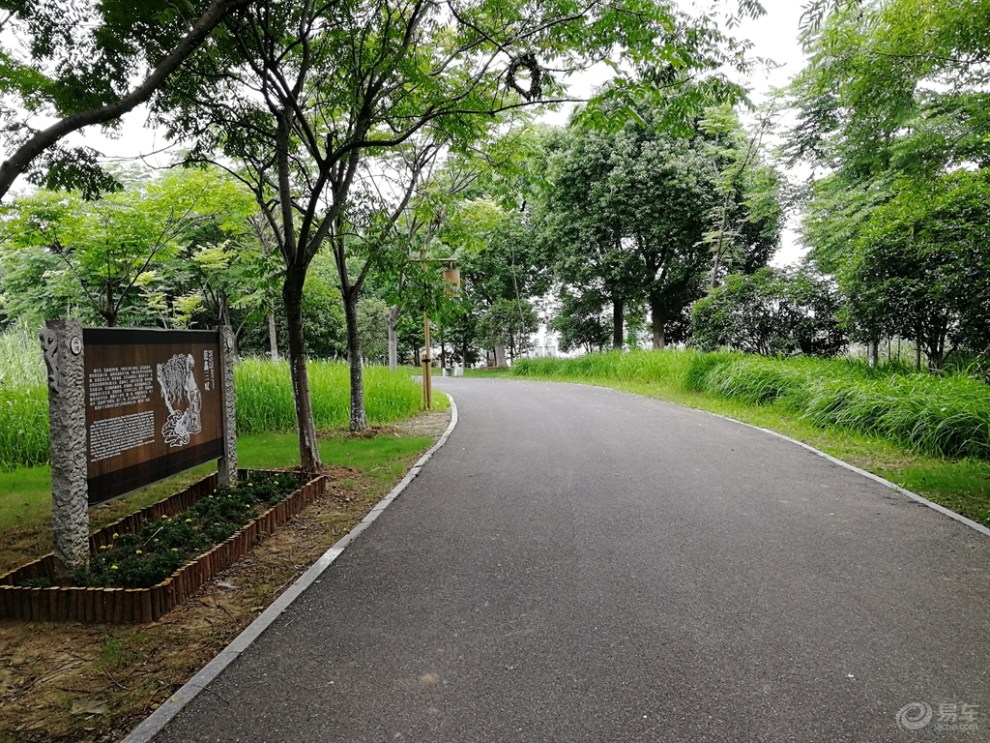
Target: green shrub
142,559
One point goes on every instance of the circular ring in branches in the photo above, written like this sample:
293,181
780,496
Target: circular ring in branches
526,62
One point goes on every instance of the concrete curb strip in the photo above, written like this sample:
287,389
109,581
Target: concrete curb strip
876,478
154,724
834,460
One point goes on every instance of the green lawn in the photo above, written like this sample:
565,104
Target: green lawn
25,493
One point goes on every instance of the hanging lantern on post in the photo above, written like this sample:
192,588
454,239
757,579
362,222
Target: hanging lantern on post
452,278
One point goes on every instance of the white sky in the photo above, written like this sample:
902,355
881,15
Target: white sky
774,37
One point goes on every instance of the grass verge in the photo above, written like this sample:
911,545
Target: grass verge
93,683
789,396
264,403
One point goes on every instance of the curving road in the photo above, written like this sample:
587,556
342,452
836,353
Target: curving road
579,565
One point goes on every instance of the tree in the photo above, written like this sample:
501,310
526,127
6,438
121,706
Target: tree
502,268
297,92
770,312
747,218
892,103
507,324
895,87
74,63
629,211
112,259
586,241
582,323
919,268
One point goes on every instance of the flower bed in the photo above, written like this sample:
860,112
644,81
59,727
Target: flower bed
149,562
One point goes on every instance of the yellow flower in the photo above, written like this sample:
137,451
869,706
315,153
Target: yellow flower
175,549
114,567
115,535
138,552
188,521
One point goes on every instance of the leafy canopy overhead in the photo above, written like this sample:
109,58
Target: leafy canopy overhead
68,65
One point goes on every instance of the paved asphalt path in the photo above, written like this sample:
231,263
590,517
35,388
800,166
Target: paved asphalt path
579,564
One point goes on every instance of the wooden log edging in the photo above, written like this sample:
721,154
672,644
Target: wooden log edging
130,605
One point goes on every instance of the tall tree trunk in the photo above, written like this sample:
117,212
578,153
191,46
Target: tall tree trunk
618,327
309,454
359,420
443,354
936,352
659,326
500,362
872,352
393,337
272,336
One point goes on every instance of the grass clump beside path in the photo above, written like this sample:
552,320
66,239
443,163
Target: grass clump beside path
264,395
264,400
928,433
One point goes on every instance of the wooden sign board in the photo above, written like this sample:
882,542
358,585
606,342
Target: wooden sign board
154,406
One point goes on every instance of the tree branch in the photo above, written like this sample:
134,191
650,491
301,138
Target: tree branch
24,155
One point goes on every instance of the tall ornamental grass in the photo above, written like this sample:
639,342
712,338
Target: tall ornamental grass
23,400
264,398
947,415
264,395
21,362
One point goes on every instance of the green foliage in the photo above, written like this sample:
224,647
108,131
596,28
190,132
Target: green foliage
940,416
152,254
264,395
264,398
508,323
630,214
62,61
894,106
581,323
146,557
770,312
896,86
920,267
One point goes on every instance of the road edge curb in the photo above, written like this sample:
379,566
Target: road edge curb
157,720
834,460
859,471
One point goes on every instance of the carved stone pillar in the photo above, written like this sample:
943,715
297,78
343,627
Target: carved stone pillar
62,342
227,464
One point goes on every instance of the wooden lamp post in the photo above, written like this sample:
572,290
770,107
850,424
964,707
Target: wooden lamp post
452,277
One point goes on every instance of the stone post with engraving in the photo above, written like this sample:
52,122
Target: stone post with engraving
62,343
227,464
